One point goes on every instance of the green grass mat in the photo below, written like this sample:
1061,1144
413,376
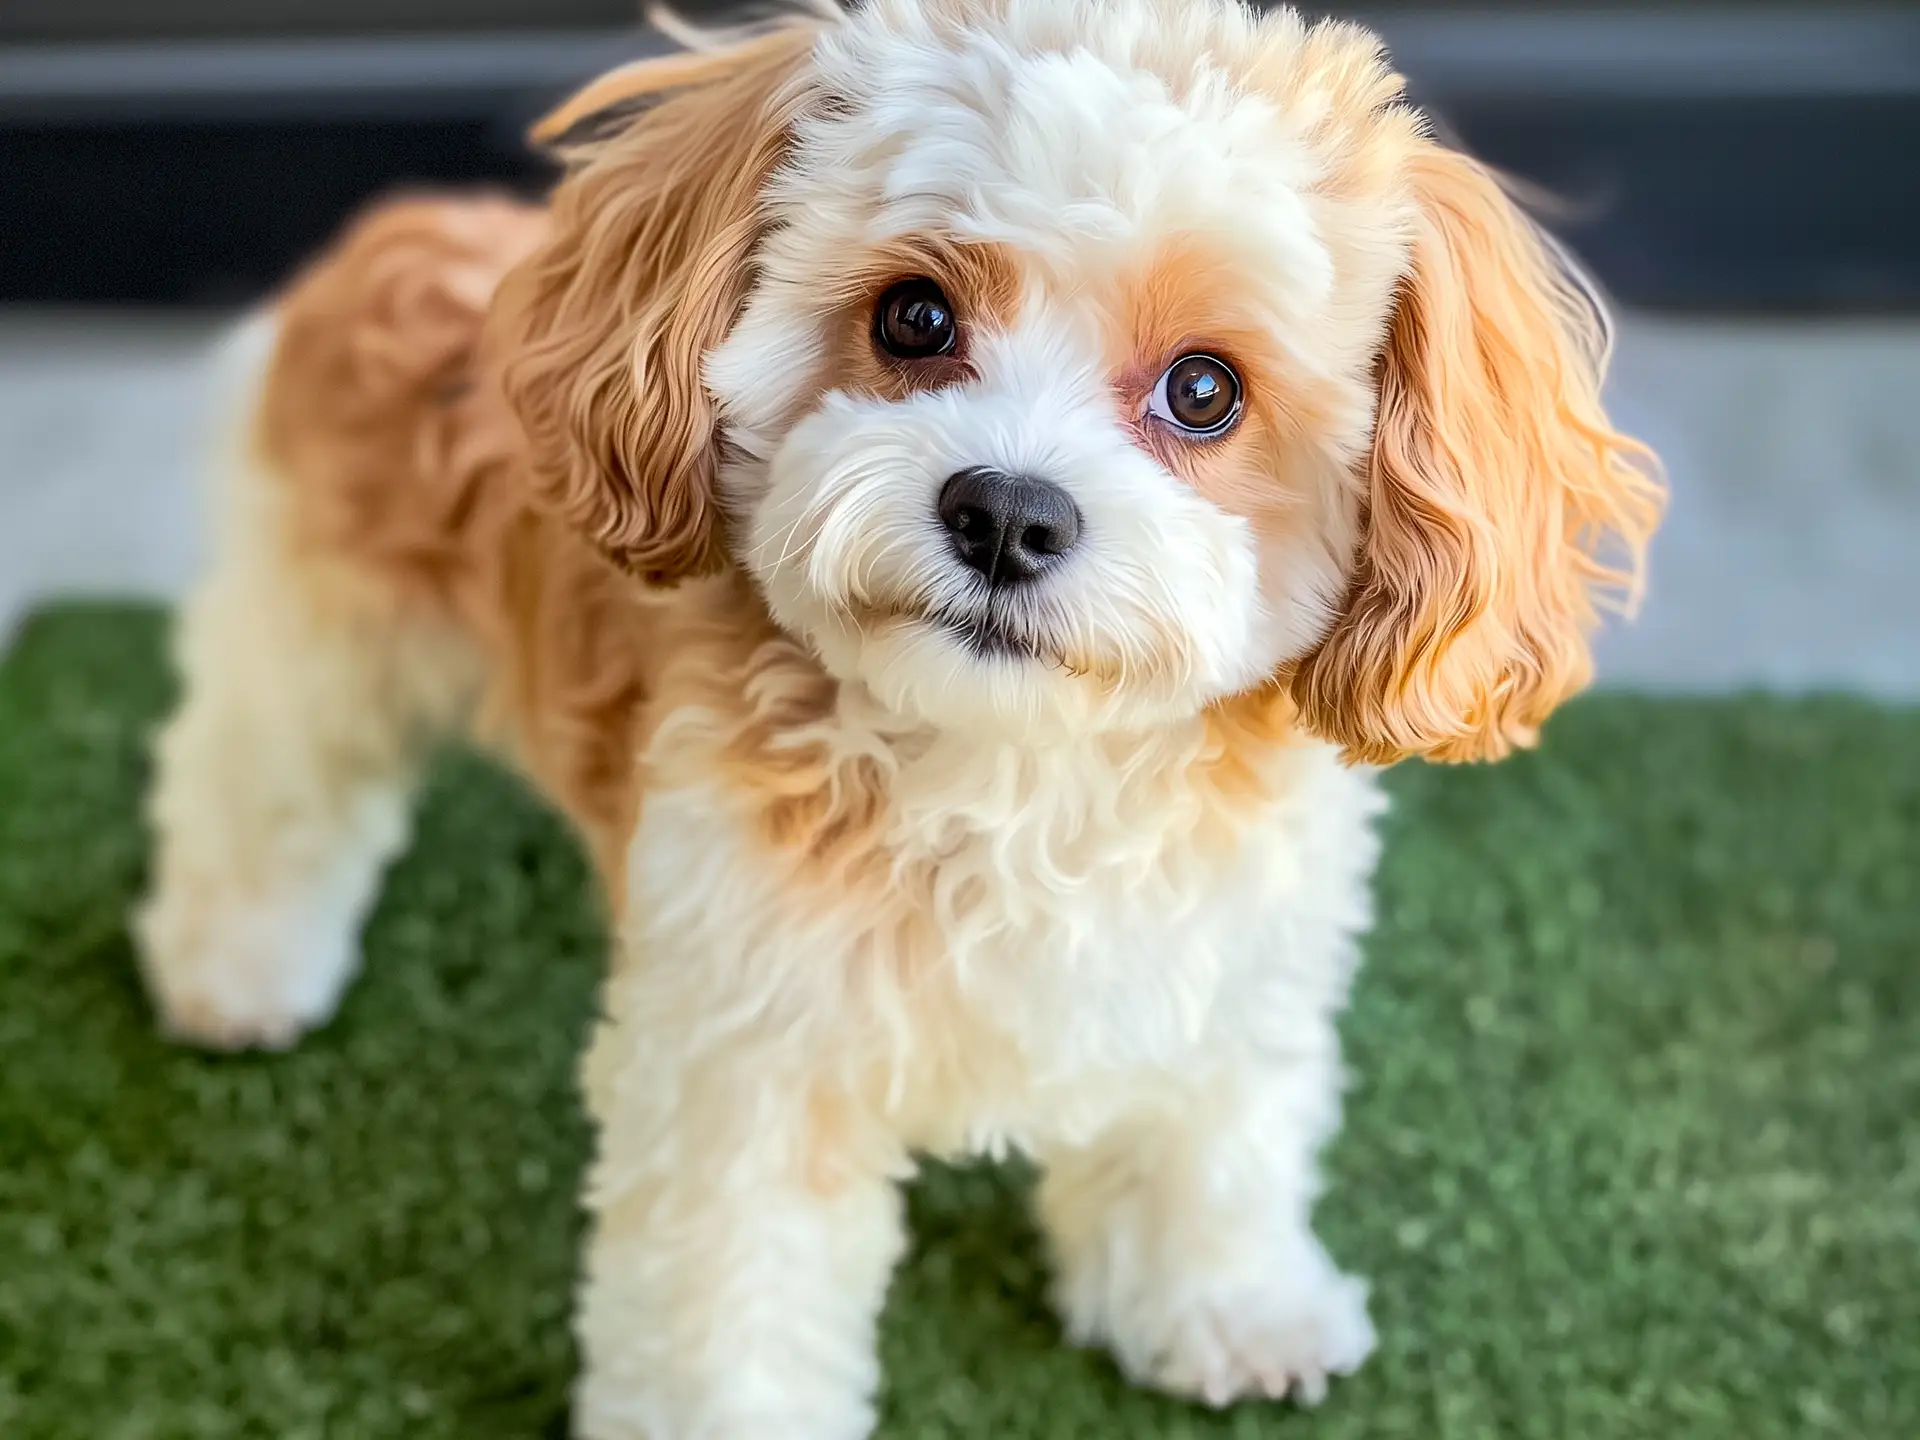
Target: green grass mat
1634,1148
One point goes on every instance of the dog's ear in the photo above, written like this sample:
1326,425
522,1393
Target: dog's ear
1501,507
601,332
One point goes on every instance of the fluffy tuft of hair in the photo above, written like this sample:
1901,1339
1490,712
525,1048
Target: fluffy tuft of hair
1503,511
602,331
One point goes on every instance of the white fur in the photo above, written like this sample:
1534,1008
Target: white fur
722,1297
850,507
284,779
1079,958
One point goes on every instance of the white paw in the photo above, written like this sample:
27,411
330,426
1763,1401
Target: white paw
1261,1344
1274,1332
243,978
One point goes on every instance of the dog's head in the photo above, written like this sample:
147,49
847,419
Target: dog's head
1053,366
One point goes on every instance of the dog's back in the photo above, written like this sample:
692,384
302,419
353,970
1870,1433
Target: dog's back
370,409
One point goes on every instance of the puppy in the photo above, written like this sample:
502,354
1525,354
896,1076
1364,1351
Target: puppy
954,501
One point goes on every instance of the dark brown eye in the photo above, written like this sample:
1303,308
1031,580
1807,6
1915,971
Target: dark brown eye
913,321
1199,395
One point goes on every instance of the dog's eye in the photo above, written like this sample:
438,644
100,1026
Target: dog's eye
1199,395
913,321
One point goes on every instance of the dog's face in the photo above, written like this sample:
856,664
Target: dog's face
1053,367
1045,405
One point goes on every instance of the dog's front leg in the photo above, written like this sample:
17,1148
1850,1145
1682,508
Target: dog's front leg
746,1221
1184,1241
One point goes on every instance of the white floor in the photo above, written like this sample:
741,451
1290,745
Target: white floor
1791,559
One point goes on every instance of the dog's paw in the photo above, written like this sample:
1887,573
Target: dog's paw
1266,1344
1279,1330
209,1020
248,979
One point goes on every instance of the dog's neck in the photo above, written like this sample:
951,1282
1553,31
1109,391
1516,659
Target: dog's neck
1127,796
837,780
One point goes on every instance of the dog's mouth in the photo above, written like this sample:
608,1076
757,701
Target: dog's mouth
977,630
985,635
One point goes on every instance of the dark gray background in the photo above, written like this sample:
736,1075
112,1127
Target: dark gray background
1708,158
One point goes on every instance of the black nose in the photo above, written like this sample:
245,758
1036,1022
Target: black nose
1008,527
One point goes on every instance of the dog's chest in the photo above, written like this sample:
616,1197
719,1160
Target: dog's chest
1068,926
1027,933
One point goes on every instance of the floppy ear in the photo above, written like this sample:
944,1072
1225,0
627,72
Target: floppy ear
602,330
1502,508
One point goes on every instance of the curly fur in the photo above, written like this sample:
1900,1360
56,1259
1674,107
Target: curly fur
623,486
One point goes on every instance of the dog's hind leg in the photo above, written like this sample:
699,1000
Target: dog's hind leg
284,778
325,651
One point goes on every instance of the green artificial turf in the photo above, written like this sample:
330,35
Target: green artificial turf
1634,1148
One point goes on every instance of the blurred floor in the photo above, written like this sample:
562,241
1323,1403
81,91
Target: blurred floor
1791,559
